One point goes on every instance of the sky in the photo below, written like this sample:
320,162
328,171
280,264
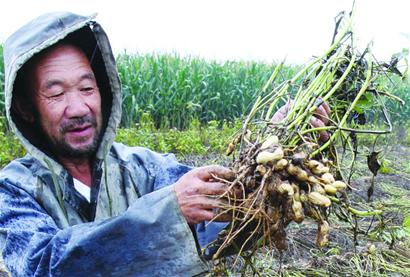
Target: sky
261,30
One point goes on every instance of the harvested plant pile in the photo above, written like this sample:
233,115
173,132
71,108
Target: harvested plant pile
285,172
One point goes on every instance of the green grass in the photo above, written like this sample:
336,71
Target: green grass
10,148
196,140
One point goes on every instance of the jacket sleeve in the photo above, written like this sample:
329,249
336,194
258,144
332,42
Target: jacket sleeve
150,239
167,170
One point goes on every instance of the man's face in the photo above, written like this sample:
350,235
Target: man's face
68,101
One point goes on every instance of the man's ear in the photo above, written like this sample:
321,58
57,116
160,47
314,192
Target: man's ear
25,109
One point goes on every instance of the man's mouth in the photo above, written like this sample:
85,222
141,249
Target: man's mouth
80,131
78,125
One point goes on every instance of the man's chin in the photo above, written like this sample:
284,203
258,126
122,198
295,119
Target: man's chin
77,150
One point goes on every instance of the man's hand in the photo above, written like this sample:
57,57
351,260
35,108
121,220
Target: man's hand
320,118
197,192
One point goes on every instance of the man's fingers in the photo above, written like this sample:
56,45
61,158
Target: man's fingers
317,123
325,105
208,172
221,188
281,113
321,119
322,114
199,192
212,188
324,136
203,202
197,215
197,208
217,189
212,209
202,215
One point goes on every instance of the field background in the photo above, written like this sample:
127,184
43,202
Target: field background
171,98
192,107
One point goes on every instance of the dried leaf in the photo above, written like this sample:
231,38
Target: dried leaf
373,163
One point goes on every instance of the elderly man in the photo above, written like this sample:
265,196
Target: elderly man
80,204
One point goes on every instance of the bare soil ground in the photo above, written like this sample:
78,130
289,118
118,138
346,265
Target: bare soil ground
381,247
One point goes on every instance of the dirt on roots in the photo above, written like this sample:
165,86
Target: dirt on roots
367,256
386,253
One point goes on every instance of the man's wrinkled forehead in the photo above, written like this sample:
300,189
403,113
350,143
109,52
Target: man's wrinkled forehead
61,55
55,51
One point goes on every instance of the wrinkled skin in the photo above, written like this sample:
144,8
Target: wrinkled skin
68,102
67,105
197,192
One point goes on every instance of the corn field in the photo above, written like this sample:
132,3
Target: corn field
175,90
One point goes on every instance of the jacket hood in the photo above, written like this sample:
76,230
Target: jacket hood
46,31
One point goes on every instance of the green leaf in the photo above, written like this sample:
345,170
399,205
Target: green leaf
406,225
385,167
364,103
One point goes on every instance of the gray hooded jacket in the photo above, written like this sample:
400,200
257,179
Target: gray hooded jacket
132,226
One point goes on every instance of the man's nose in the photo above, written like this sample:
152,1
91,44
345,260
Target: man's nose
76,105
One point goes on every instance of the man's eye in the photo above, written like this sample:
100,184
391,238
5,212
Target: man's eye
87,89
56,95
